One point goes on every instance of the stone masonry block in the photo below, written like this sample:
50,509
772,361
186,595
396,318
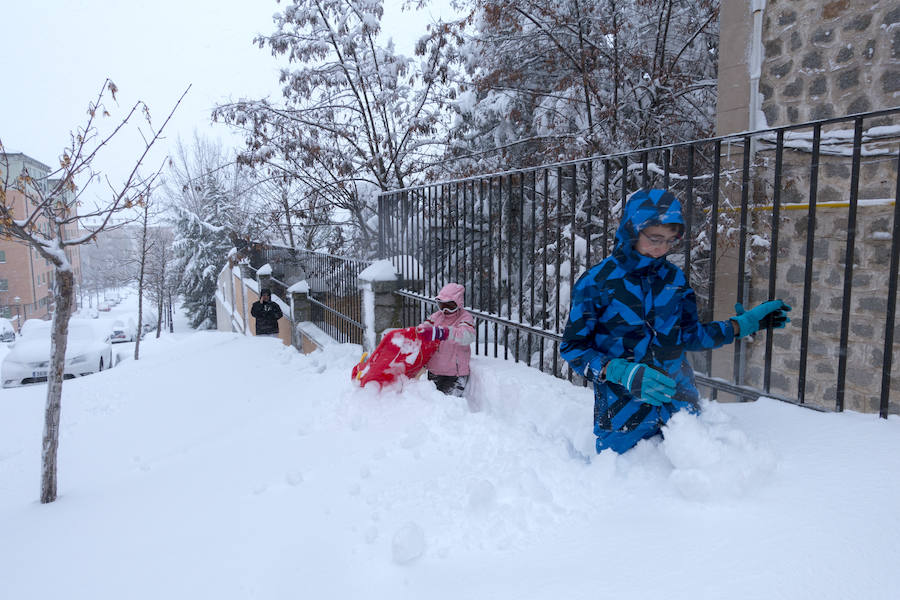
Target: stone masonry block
890,81
822,36
793,89
828,193
836,169
781,70
827,326
873,304
796,274
834,9
812,60
825,368
780,381
860,22
848,78
862,329
818,86
821,111
892,17
787,17
859,105
870,49
844,54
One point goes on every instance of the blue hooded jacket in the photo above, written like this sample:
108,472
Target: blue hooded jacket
641,309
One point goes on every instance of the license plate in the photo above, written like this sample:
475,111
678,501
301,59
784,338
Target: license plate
37,374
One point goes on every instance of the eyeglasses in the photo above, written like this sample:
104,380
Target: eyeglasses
659,240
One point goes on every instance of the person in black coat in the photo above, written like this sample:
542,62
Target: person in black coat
266,313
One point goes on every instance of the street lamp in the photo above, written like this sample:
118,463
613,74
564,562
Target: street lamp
17,301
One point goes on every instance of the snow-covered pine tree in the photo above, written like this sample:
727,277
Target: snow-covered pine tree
202,241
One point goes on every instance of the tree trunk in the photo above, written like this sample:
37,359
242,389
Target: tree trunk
64,297
143,268
140,326
169,315
160,303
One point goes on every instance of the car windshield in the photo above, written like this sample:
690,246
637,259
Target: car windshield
81,331
34,328
77,330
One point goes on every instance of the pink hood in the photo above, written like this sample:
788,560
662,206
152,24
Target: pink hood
452,356
454,292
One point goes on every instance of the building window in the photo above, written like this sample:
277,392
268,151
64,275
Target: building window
6,312
2,256
4,285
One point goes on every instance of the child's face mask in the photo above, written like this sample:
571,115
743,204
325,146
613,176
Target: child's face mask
448,308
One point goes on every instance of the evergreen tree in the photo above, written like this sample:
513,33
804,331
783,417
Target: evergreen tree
202,241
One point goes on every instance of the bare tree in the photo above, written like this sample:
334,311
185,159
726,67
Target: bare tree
145,246
157,272
50,223
356,117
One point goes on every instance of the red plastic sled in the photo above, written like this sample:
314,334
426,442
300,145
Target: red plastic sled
399,353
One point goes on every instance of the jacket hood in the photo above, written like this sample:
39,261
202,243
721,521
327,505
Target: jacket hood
644,209
454,292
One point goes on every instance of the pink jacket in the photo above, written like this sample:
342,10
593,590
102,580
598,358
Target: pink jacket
452,356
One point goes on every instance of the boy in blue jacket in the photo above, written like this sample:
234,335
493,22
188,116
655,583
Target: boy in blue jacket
634,315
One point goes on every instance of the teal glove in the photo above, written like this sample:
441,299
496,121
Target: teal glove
768,314
645,383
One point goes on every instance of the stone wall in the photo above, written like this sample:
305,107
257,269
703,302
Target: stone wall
829,58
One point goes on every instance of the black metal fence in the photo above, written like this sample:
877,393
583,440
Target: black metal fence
335,300
807,213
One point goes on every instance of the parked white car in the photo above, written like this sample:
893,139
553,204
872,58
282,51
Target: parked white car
89,350
122,333
7,331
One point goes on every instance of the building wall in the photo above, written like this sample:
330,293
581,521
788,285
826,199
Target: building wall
820,59
27,275
828,59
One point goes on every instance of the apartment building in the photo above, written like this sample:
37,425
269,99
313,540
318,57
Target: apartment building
26,278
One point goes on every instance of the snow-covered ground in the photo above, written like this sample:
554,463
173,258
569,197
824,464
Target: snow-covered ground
234,468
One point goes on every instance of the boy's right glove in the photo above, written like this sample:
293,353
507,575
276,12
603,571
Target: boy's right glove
773,312
649,385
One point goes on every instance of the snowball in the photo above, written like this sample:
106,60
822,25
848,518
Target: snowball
408,544
482,496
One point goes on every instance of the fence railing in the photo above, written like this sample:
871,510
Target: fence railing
335,300
805,212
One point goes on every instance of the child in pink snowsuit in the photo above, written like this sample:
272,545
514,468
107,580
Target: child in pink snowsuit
454,327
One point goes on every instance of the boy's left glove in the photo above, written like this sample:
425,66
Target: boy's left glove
432,334
772,313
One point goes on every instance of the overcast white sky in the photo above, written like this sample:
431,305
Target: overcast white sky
56,55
